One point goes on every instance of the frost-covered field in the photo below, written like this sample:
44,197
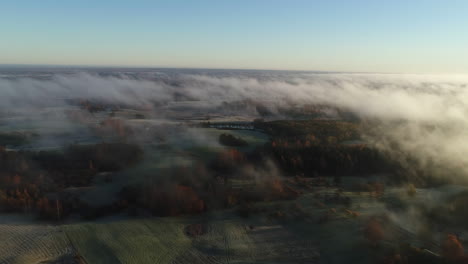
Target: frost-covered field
25,242
297,236
153,241
164,241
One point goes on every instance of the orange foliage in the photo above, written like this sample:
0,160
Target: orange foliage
373,231
277,189
231,156
188,200
16,179
352,213
277,186
451,247
172,200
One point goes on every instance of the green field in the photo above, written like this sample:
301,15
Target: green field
23,242
297,236
133,241
156,240
163,241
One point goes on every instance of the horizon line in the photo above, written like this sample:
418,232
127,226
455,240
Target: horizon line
103,66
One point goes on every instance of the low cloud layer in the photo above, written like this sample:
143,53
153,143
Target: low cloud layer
425,115
409,97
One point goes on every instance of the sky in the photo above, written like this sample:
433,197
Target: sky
398,36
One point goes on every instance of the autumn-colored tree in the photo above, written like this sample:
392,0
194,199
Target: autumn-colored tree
3,198
373,231
43,206
16,179
230,157
188,200
451,247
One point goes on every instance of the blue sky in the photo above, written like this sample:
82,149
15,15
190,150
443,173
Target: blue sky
335,35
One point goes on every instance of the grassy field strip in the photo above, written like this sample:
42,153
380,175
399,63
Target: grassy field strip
363,203
238,244
234,242
213,243
226,242
339,241
26,243
173,241
132,241
275,244
156,240
87,241
195,257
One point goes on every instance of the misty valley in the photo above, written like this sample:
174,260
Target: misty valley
225,166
